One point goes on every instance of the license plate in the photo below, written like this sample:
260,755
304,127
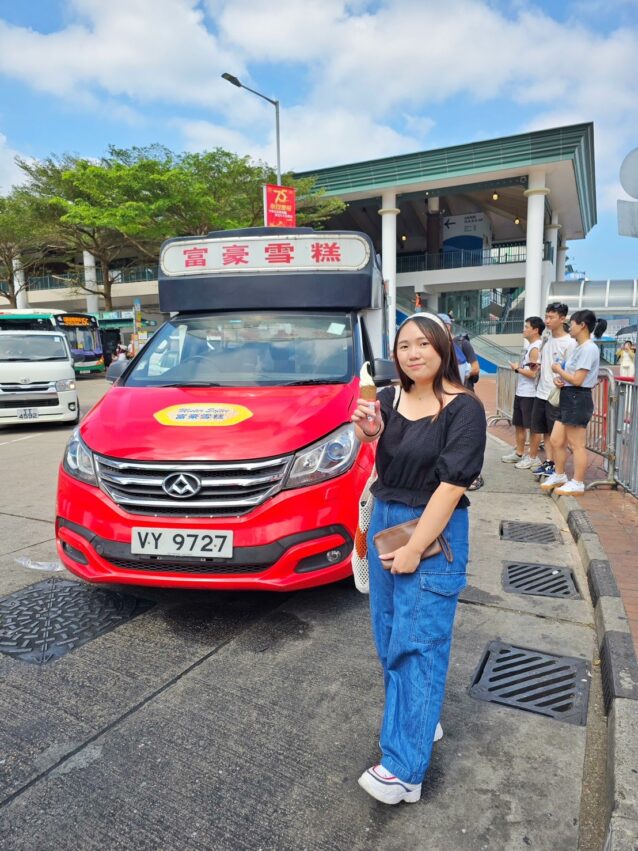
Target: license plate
187,543
28,414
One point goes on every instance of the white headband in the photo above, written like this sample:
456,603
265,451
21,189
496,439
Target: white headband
426,315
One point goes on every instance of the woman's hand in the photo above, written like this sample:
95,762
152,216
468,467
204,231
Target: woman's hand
559,381
362,414
557,368
403,560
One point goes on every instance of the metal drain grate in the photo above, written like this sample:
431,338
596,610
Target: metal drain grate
533,533
48,620
556,686
543,580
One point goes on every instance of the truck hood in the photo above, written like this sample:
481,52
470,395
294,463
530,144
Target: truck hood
224,424
13,372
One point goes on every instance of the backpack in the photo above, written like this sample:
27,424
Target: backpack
460,354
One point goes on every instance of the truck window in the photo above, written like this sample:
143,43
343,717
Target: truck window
262,349
32,347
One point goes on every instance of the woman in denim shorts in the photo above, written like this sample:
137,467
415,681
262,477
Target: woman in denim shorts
576,378
431,446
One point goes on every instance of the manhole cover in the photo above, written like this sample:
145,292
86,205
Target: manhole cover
544,580
556,686
533,533
48,620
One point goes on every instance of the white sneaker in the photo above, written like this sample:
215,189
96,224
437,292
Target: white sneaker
387,788
527,463
438,733
571,488
511,457
554,481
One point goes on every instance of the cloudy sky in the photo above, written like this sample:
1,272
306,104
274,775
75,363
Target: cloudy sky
356,80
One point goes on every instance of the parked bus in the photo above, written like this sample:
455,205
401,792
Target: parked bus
80,329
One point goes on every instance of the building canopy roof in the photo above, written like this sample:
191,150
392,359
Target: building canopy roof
566,154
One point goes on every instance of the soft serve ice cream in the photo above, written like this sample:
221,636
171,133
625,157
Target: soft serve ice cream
367,387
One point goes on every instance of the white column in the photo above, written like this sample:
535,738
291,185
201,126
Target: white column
389,213
22,299
549,271
90,281
561,262
534,264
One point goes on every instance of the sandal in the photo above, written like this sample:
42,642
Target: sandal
477,483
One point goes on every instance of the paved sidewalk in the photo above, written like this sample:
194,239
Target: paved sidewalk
613,514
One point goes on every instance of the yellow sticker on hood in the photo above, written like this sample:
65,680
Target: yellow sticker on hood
202,415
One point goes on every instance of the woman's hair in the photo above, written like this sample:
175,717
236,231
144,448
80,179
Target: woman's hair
588,318
438,337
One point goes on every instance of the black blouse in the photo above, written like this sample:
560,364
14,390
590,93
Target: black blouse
414,457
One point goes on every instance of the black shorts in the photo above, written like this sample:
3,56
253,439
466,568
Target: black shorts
544,416
522,413
576,406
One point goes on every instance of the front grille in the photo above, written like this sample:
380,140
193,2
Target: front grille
227,488
33,387
29,401
200,568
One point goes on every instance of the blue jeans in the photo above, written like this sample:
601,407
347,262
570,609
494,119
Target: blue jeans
412,620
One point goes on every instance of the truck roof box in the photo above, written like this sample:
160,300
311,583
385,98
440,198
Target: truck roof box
269,268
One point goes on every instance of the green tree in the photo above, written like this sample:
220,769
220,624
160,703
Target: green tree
25,241
124,205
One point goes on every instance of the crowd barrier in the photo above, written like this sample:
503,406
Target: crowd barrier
611,433
626,466
505,392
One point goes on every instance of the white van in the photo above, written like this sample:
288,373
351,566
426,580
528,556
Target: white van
37,379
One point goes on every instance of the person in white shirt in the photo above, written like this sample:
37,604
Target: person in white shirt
527,370
556,348
576,379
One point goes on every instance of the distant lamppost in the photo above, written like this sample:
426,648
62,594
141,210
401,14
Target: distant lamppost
275,103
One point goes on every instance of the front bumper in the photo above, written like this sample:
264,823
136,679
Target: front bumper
297,539
59,407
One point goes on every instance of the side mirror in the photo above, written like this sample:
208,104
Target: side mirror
116,368
385,372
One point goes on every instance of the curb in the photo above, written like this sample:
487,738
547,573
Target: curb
619,671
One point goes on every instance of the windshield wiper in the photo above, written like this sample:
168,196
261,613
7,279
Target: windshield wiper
51,357
188,384
312,381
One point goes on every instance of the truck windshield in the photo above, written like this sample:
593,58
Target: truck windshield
32,347
248,349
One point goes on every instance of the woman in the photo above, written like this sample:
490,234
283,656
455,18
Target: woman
431,446
627,360
576,378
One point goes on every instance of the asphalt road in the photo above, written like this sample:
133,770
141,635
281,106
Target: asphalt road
233,721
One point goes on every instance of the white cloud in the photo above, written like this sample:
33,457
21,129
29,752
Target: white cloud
10,174
369,78
309,139
139,49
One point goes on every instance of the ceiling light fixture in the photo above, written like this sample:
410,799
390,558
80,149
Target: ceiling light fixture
494,196
403,238
517,221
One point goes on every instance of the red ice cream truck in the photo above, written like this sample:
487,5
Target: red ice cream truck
224,456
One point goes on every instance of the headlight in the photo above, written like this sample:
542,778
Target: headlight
78,460
65,384
330,457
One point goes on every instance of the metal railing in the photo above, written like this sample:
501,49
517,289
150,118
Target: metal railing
492,326
67,280
506,380
626,446
600,434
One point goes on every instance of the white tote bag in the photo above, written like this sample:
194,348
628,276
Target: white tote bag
360,569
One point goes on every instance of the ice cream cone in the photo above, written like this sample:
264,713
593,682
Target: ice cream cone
367,388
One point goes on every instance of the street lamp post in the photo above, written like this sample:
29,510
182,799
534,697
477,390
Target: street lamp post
275,103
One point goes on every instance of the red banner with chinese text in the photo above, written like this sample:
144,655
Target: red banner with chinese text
279,206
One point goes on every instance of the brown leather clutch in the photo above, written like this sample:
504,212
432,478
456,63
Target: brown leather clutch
398,536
